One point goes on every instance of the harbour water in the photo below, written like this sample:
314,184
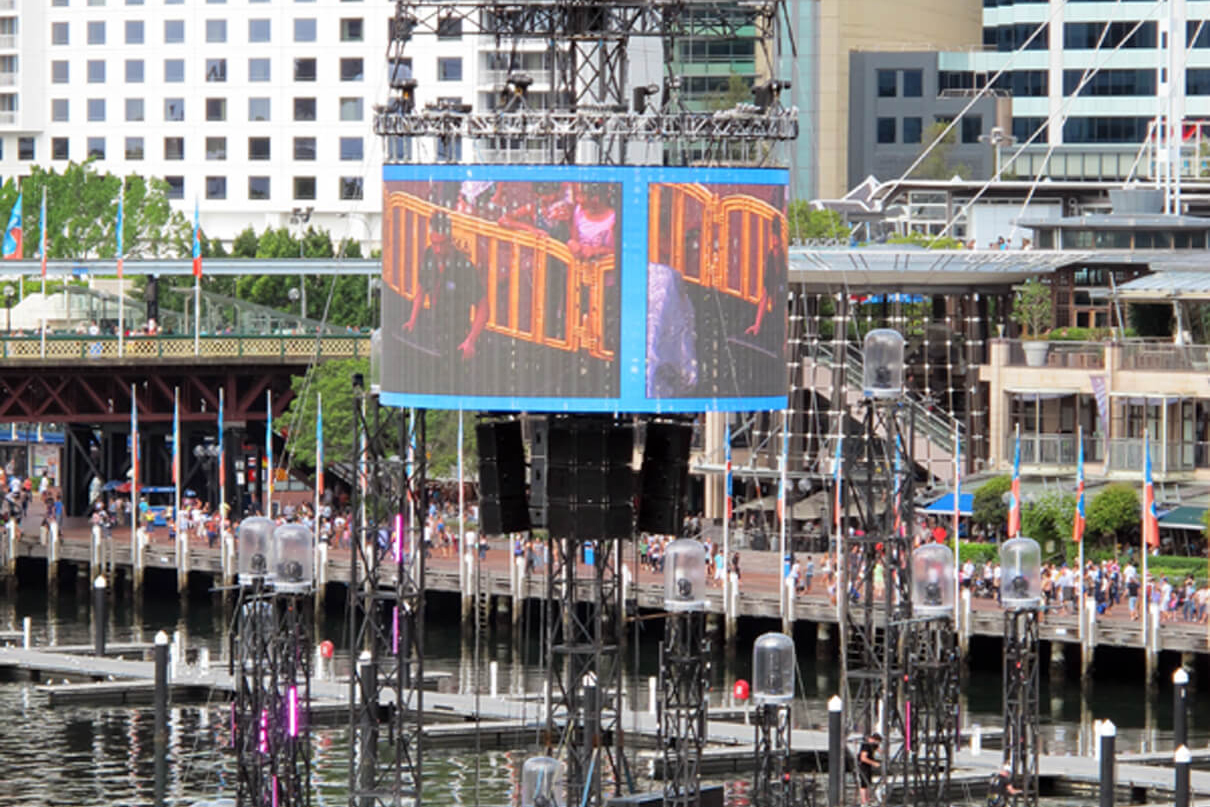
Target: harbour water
104,755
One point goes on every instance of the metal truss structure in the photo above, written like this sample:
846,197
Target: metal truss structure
773,785
271,710
931,710
684,677
386,610
876,582
592,98
1021,746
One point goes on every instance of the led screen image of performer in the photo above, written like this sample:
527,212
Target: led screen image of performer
501,288
717,255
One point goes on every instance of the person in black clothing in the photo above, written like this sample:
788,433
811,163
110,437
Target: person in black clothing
454,289
1001,787
867,763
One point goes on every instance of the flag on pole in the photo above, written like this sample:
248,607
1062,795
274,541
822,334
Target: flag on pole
319,448
222,464
176,437
727,463
1014,507
1151,521
783,481
1077,526
121,224
957,487
836,479
268,452
42,233
12,233
197,242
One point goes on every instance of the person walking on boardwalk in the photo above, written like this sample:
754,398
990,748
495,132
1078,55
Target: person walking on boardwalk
867,763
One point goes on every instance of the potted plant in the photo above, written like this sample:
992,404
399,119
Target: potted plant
1032,311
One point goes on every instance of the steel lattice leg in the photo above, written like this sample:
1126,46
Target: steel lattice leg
772,786
682,706
931,710
1021,745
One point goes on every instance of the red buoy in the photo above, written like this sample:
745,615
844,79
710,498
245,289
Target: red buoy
326,648
740,690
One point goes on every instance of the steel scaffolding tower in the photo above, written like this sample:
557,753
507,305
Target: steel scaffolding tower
772,785
386,610
931,709
1021,746
684,676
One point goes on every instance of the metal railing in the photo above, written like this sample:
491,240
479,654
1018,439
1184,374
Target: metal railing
225,346
1165,357
1126,454
1063,355
1054,449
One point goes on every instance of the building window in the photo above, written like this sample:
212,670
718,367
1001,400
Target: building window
449,151
96,71
352,69
96,32
304,70
972,128
449,28
134,148
176,187
304,109
258,148
912,129
258,70
304,188
59,110
60,72
174,109
96,148
216,109
304,148
886,130
353,30
1112,82
351,109
96,109
216,148
174,148
216,187
304,29
174,32
1088,35
913,83
258,188
174,71
258,110
216,70
258,30
887,84
134,109
25,148
58,148
134,32
59,34
216,30
351,187
449,68
351,148
134,71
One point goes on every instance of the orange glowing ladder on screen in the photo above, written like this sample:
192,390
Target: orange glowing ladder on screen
515,309
733,235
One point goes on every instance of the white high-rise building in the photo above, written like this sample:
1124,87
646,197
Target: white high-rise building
260,110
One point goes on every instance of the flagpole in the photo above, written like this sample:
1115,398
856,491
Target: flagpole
42,237
842,591
222,470
121,277
176,470
134,482
319,458
783,499
1143,589
197,316
1080,492
957,518
461,553
726,512
269,453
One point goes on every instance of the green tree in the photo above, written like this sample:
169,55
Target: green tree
989,508
1032,307
806,223
738,91
927,241
1048,519
1113,511
245,244
938,164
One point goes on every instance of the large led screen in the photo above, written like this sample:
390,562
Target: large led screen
566,288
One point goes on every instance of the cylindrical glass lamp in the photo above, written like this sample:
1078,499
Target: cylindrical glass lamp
293,558
685,575
932,580
882,373
253,549
1020,574
539,782
773,669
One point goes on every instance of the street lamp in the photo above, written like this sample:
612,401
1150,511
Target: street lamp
9,293
295,295
300,216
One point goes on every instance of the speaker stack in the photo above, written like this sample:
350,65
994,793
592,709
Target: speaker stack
589,479
503,505
664,479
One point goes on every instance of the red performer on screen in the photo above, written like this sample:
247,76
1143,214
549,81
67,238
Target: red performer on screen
454,289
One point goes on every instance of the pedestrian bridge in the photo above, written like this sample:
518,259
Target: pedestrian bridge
284,348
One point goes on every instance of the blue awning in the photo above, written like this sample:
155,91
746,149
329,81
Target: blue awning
946,504
892,298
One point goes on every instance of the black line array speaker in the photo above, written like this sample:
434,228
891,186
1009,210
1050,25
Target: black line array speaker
503,504
538,441
589,479
664,478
